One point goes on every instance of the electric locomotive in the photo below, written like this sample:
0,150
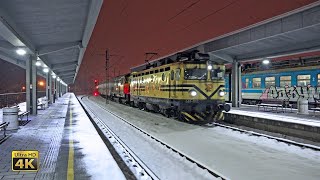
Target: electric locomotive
187,85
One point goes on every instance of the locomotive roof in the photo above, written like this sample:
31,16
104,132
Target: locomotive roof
182,56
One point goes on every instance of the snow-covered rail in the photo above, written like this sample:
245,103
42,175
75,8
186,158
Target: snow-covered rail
126,148
302,145
139,169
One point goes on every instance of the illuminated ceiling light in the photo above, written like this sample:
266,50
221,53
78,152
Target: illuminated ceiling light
38,58
38,63
209,67
44,66
54,76
266,61
21,52
41,83
45,70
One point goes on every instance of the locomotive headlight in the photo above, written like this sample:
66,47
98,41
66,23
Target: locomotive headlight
222,93
193,93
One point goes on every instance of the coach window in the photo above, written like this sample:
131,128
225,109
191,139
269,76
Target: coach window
256,82
303,80
163,77
285,81
177,74
172,75
270,81
247,83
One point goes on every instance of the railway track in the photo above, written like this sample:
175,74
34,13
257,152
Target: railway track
289,142
143,166
252,133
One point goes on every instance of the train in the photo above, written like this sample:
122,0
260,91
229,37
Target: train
188,86
283,82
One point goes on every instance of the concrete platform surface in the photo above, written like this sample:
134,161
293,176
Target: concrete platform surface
68,144
305,127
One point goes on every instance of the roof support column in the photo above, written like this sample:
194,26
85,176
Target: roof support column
59,89
28,83
48,84
34,85
54,90
236,84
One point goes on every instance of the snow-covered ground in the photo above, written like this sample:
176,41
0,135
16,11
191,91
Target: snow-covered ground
97,160
235,155
277,117
163,162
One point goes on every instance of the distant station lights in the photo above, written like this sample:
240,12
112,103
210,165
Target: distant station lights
266,61
21,52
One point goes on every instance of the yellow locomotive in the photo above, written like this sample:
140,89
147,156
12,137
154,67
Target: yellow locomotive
187,85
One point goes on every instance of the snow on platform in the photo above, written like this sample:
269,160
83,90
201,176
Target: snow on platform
278,117
235,155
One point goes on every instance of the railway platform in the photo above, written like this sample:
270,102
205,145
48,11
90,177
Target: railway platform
286,123
68,144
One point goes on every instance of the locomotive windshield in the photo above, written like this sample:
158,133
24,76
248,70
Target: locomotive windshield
195,74
217,72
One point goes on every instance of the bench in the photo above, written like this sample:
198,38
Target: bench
22,114
4,127
317,106
273,103
315,109
41,104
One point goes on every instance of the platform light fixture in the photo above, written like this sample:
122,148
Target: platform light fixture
38,63
54,76
46,70
21,52
266,61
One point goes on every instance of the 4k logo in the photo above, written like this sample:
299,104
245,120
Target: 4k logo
25,160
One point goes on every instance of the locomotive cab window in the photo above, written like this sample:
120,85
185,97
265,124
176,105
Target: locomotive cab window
256,82
303,80
172,75
270,81
195,74
177,74
285,81
217,72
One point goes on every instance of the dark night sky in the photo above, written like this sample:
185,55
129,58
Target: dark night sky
13,78
130,29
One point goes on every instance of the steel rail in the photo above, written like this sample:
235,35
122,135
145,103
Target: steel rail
212,172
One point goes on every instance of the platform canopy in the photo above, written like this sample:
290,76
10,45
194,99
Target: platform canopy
291,33
55,31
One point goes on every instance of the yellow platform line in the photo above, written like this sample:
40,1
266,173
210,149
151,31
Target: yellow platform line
70,175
